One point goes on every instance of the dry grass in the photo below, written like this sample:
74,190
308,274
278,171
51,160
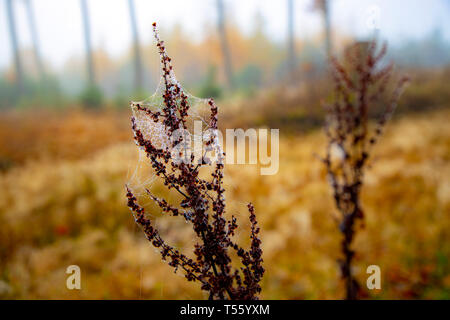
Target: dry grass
64,210
30,136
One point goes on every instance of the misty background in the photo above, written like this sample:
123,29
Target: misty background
96,52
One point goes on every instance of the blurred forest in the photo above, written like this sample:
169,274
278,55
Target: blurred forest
224,60
66,151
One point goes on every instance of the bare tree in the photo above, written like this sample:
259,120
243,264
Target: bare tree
324,7
291,43
87,40
224,43
34,38
14,44
138,80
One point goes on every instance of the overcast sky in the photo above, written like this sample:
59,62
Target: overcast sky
60,29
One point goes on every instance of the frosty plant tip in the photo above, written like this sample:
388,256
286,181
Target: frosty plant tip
160,127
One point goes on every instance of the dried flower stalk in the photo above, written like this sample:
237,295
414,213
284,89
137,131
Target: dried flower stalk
202,204
359,85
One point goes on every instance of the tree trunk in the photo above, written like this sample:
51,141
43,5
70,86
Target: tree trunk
324,7
327,25
291,40
35,40
224,43
14,45
138,79
87,40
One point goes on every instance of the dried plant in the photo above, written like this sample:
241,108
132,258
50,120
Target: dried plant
360,84
202,204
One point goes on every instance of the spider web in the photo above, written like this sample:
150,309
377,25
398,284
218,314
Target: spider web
197,133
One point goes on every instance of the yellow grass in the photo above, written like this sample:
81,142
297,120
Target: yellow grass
71,210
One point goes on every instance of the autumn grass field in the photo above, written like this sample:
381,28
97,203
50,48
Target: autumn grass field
62,202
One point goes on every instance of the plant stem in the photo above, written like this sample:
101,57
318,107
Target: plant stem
347,228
